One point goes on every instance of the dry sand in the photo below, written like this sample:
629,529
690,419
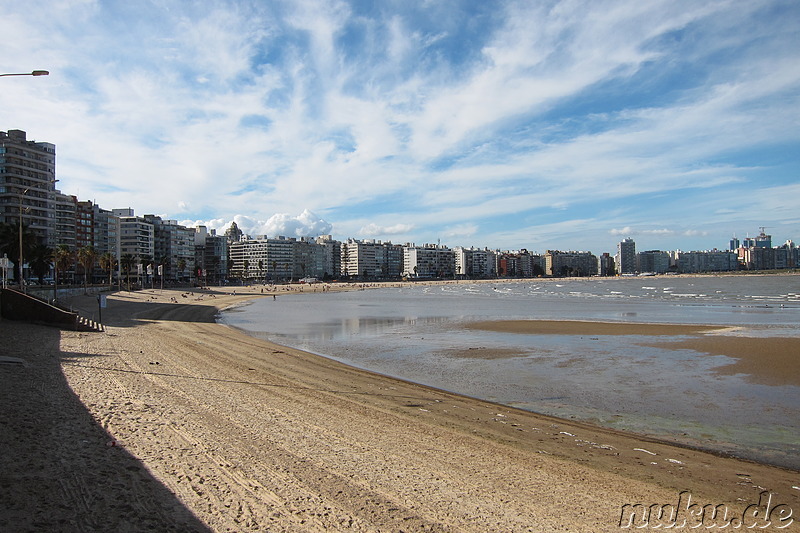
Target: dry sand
169,421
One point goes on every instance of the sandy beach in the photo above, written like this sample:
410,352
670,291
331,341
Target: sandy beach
168,421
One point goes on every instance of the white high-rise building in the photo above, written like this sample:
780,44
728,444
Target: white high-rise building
626,257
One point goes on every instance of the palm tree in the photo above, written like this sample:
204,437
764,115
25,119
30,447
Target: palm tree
62,259
261,269
107,262
40,260
126,262
87,257
246,273
181,266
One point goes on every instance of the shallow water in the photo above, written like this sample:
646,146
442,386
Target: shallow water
416,333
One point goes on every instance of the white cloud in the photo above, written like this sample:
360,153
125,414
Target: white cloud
306,224
460,230
374,230
547,114
627,230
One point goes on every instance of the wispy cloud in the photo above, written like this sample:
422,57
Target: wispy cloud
503,125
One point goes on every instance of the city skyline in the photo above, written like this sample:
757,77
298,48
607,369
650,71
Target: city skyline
509,125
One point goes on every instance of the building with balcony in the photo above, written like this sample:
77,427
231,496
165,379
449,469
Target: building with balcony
136,235
653,261
428,261
563,264
369,259
211,256
262,259
473,263
173,247
626,256
27,184
706,261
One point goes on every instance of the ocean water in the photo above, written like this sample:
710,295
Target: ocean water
625,382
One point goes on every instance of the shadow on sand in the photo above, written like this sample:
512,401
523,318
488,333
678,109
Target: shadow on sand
59,469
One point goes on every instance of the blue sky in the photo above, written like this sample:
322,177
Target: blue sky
540,125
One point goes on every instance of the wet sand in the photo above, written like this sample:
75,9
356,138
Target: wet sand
577,327
768,361
771,361
174,420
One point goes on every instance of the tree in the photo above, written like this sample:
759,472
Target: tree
62,259
126,262
40,260
261,269
87,257
107,262
181,266
246,272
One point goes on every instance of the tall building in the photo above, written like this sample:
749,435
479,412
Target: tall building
577,264
262,259
710,261
173,248
27,184
136,235
429,261
66,220
211,256
654,261
332,256
626,257
233,233
474,263
371,259
605,265
761,241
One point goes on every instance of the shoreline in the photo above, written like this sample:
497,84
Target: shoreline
221,419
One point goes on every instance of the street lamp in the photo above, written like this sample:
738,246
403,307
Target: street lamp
34,73
21,277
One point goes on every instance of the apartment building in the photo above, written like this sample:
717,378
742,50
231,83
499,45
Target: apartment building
605,265
429,261
66,220
654,261
369,259
706,261
558,263
173,248
626,256
211,256
136,235
331,251
474,263
27,184
262,259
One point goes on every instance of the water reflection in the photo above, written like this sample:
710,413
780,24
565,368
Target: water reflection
344,328
626,382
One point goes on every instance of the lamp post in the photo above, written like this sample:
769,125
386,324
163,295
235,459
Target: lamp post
21,277
34,73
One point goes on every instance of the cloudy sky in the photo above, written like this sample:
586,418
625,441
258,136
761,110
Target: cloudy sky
507,124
